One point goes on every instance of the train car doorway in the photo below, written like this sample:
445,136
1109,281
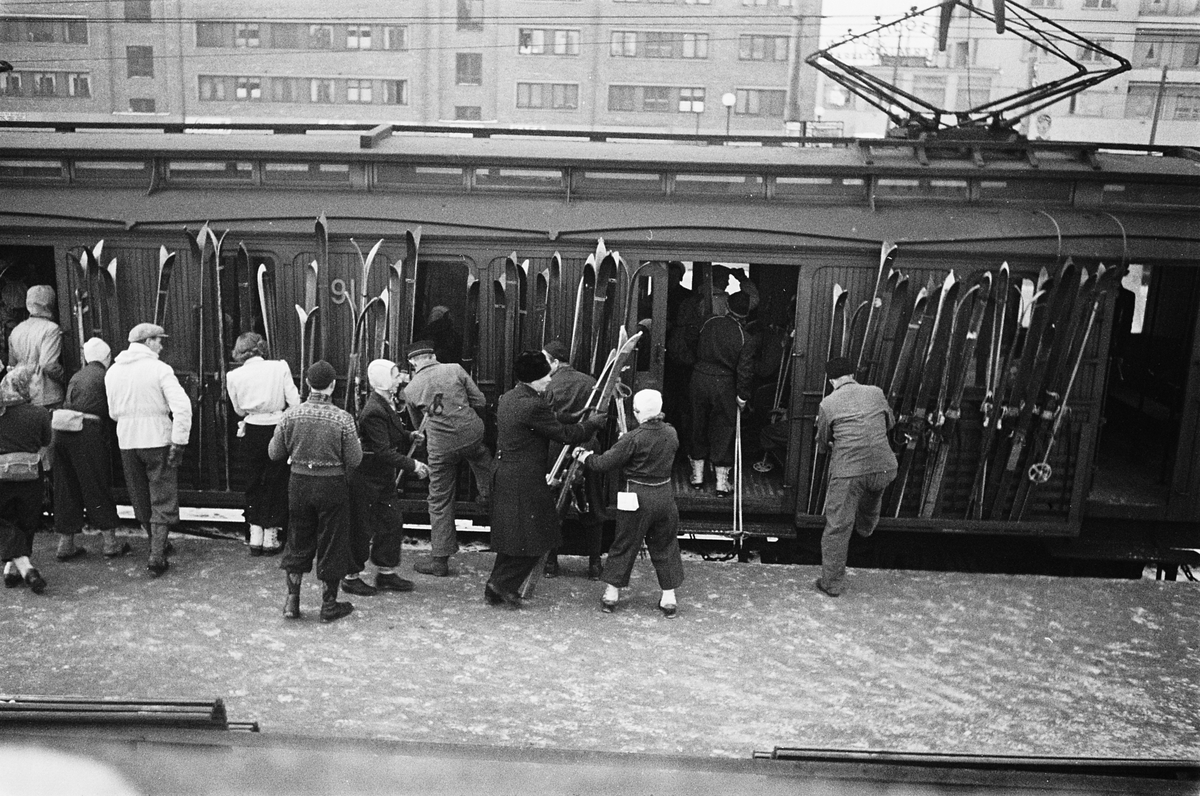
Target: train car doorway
22,267
1142,453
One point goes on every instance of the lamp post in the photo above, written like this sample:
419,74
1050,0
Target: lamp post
697,108
728,99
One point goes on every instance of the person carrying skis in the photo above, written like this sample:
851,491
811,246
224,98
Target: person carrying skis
321,442
379,525
260,391
855,420
646,511
154,422
567,395
444,400
721,384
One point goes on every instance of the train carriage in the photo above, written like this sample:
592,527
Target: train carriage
503,229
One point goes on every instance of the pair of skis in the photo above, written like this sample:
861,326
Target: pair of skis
595,308
96,303
205,247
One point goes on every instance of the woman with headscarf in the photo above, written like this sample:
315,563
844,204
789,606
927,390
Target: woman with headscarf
525,523
24,444
646,508
83,458
379,525
260,390
36,342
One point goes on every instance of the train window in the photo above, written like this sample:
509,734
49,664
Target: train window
294,173
922,188
210,171
525,179
749,186
410,176
818,188
27,169
618,182
1151,194
112,170
1024,191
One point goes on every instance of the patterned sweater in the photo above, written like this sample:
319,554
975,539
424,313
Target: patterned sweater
318,438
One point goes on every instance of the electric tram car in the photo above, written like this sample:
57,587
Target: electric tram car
524,237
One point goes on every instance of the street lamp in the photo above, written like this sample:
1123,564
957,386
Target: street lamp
728,99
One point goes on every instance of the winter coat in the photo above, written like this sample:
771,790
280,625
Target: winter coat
524,519
37,342
144,397
383,436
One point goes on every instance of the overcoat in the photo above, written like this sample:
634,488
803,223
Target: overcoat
524,520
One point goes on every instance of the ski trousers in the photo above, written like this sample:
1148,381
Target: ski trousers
318,527
153,485
83,480
656,522
20,515
714,418
852,504
443,485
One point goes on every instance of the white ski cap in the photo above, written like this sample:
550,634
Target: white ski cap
647,403
95,349
145,331
379,374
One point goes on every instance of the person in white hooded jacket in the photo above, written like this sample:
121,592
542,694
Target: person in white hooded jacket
154,422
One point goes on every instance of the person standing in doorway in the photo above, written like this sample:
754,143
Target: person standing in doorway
854,420
37,343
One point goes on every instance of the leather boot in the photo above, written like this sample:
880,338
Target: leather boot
114,547
67,548
697,479
438,566
595,570
331,609
724,487
291,607
157,563
256,540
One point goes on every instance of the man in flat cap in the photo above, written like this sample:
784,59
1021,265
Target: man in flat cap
444,404
568,394
154,422
855,420
321,441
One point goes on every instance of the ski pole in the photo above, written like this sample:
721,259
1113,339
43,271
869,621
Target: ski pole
738,528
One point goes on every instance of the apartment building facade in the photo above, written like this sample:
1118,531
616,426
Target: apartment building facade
662,65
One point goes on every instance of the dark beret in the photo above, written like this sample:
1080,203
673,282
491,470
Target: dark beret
530,366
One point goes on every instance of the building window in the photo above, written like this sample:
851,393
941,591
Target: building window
468,113
1099,3
395,37
566,42
1187,107
1089,55
697,2
656,99
10,84
245,34
79,85
141,105
212,88
559,96
358,37
320,37
139,61
396,92
1044,3
531,42
760,102
538,41
624,44
210,34
470,14
321,91
658,44
283,89
248,88
778,3
468,69
762,48
41,31
137,10
358,91
44,84
691,100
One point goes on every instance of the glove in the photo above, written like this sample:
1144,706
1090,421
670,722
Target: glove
422,470
175,455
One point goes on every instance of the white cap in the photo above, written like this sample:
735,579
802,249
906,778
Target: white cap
95,350
379,374
647,403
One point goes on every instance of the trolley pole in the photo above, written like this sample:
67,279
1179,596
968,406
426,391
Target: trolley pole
1158,103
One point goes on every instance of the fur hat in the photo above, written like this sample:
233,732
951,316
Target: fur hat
39,301
249,344
145,331
419,348
530,366
558,349
15,386
95,350
320,375
379,374
838,367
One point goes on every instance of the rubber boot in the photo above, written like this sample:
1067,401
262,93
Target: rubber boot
723,484
331,609
67,548
438,566
291,608
114,547
256,540
157,564
697,479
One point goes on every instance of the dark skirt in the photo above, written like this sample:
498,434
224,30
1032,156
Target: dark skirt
267,484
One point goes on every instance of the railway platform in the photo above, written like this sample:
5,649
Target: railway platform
435,691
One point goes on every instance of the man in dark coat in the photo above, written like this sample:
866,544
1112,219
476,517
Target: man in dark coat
568,394
721,385
83,460
379,525
525,523
24,444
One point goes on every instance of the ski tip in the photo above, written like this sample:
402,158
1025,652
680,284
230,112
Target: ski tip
949,281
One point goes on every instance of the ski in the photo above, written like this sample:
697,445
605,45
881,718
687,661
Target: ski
514,294
554,320
919,317
471,330
82,299
359,283
221,403
245,295
899,313
869,348
820,459
995,377
307,315
266,308
198,243
604,304
367,322
581,344
913,422
412,281
102,293
954,382
852,343
395,294
501,336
